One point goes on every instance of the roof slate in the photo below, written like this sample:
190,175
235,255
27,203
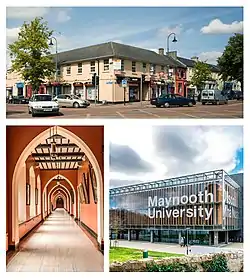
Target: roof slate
117,50
191,63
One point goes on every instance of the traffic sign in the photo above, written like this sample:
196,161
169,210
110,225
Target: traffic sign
124,83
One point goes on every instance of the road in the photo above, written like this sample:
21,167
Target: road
137,111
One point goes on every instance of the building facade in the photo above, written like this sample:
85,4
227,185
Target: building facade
207,205
147,73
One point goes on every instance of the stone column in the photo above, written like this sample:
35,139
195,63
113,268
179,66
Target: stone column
129,234
152,236
216,238
226,237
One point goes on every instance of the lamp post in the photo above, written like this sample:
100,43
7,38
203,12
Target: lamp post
187,238
174,40
51,44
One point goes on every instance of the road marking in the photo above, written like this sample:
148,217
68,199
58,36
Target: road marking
190,115
120,114
149,113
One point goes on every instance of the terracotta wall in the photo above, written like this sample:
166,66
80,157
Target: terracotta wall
29,225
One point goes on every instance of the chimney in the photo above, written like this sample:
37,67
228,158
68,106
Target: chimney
161,51
173,54
195,58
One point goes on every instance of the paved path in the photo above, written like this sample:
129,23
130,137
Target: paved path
233,110
174,248
58,245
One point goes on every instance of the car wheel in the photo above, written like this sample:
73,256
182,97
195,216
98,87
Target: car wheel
217,102
190,104
76,105
167,105
29,110
33,114
203,103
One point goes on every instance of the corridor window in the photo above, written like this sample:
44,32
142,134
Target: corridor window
106,64
122,65
79,68
133,66
92,66
68,69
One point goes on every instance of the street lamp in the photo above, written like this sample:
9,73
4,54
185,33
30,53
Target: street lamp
174,40
187,238
51,44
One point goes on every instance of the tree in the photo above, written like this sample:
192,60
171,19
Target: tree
231,61
202,73
30,55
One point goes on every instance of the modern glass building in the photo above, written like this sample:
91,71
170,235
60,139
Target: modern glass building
208,205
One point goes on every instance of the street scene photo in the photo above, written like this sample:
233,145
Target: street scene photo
144,65
176,198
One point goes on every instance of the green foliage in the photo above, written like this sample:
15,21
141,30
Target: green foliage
217,264
30,55
122,254
173,267
231,61
201,73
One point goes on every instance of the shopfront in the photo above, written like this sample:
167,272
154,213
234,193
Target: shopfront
20,87
91,92
55,89
134,89
9,91
78,88
66,88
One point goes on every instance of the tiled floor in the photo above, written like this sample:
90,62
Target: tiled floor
57,245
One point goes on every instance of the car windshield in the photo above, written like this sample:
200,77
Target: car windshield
42,98
75,97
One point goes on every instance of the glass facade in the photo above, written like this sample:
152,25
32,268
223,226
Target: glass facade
202,202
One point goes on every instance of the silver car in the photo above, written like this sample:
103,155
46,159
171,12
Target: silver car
68,100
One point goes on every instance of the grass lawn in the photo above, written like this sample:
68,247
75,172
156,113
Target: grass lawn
122,254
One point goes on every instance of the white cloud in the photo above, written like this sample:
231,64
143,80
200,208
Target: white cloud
210,57
26,13
189,31
165,31
63,16
216,26
205,148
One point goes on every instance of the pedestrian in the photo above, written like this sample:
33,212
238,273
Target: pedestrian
182,242
185,241
10,98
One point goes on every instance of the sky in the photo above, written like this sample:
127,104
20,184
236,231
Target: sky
144,153
200,31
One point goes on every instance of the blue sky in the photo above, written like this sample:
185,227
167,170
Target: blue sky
138,26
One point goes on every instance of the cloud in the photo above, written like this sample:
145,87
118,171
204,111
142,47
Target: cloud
165,31
216,26
63,16
26,13
125,159
118,183
210,57
174,151
189,31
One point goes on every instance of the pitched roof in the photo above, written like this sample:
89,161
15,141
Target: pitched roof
190,63
112,49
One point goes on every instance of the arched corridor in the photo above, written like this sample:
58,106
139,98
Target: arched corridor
48,248
54,178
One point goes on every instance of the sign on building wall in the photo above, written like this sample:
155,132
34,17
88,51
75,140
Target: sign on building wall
117,64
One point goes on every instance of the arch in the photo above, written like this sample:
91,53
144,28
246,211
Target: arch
61,196
71,185
59,191
24,155
66,192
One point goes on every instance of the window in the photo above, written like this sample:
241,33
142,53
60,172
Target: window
162,67
68,69
79,68
106,64
92,66
152,68
59,71
122,65
133,66
144,65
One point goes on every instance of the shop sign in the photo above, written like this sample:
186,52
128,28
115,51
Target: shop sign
165,211
117,64
124,83
109,83
19,85
78,84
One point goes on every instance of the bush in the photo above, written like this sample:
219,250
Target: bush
173,267
217,264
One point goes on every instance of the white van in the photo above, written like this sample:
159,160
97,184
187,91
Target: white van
213,96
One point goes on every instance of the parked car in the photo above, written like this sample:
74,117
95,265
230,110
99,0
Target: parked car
67,100
229,94
167,100
238,95
213,96
20,99
42,104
